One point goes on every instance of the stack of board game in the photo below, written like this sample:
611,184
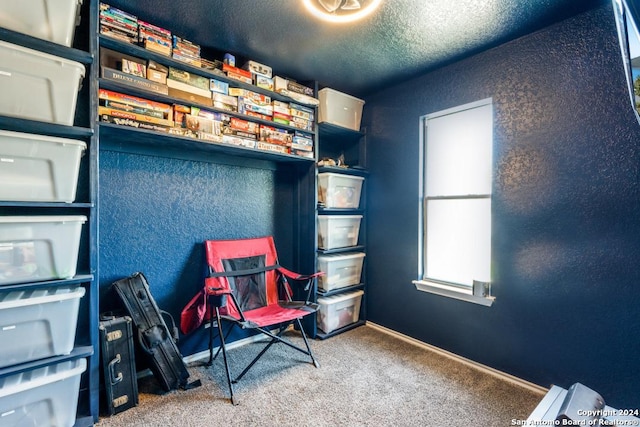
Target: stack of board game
118,24
122,109
154,38
186,51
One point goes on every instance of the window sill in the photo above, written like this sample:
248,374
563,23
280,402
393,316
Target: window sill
453,292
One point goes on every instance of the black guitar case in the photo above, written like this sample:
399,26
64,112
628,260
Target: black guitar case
154,337
118,364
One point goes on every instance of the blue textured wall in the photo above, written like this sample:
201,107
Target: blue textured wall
566,211
155,213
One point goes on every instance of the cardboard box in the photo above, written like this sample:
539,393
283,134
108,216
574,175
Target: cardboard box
191,97
258,69
264,82
189,78
219,86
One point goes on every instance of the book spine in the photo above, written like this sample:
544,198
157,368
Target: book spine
133,100
133,81
132,109
134,116
133,123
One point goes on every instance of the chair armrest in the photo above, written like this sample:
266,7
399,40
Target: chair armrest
307,278
214,286
296,276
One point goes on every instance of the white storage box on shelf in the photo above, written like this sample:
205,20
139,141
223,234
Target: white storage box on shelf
338,311
38,86
340,270
37,248
51,20
338,231
337,190
38,323
339,109
45,396
38,168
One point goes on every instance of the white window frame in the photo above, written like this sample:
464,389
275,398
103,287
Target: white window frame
449,288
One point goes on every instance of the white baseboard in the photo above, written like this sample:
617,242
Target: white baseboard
502,375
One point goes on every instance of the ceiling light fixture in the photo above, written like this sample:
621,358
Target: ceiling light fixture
341,11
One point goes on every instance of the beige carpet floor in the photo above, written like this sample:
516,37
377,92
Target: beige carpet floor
366,378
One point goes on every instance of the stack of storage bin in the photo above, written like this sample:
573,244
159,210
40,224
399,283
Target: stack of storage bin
37,319
339,233
339,221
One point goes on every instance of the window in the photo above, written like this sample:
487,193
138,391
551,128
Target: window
627,14
456,181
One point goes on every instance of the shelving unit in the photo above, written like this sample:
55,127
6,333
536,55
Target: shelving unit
111,133
333,142
294,177
85,204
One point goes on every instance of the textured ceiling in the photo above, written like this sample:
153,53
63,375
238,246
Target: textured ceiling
402,39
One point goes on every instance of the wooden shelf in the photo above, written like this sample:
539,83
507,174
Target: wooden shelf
51,129
139,141
142,53
341,250
340,290
357,171
78,279
76,353
330,131
130,90
46,46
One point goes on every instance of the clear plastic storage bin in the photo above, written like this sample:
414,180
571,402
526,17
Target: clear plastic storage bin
45,396
339,109
38,168
37,248
38,323
338,231
340,270
51,20
38,86
336,190
338,311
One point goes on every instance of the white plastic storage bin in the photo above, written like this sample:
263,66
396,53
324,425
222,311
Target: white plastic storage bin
336,190
338,231
46,396
339,109
37,85
52,20
340,270
38,323
338,311
38,168
37,248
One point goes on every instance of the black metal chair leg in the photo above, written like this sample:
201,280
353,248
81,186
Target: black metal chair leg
224,356
210,362
306,342
264,350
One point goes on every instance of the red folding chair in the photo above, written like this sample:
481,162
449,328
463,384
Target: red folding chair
246,287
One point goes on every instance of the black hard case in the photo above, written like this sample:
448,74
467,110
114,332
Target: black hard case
154,337
118,364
